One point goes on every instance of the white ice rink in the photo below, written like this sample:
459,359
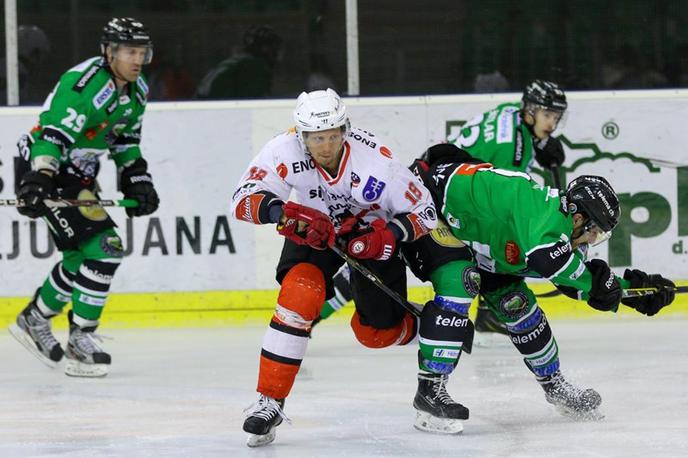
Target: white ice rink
181,393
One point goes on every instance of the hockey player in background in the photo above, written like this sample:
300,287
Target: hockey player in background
96,108
349,188
516,229
511,136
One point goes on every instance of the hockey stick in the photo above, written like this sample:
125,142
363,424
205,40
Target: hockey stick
556,177
410,306
127,203
631,292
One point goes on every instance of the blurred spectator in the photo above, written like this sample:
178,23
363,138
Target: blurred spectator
168,80
248,74
32,48
627,68
490,83
319,78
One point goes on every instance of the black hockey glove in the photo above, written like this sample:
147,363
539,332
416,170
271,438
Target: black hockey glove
136,183
606,291
549,152
33,188
653,303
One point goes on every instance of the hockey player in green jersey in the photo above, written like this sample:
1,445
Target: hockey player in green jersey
512,136
96,108
516,229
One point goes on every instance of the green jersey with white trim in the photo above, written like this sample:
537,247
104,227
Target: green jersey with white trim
514,225
85,117
499,137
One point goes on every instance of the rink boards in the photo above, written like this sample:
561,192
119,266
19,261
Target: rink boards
192,264
236,308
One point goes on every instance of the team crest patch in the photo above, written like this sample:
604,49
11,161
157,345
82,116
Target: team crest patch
513,303
373,189
471,280
95,213
112,245
355,180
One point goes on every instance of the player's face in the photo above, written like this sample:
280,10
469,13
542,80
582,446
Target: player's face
126,62
325,146
586,233
545,122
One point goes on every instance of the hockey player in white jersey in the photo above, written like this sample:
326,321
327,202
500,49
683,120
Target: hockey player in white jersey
349,187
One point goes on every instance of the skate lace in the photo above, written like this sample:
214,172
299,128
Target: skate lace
266,408
42,330
440,388
88,342
563,387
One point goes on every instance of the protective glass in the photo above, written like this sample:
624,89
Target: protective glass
558,117
595,234
141,55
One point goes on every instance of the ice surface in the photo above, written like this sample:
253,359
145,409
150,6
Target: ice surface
181,393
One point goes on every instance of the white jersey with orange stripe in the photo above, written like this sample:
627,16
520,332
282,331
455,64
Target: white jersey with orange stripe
370,182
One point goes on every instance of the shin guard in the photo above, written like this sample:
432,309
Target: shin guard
445,330
533,338
284,345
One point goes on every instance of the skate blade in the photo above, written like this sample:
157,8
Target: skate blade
23,338
431,424
75,368
491,340
591,415
258,440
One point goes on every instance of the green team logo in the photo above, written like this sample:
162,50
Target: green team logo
644,214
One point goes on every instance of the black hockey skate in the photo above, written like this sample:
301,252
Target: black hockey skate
85,357
489,330
436,411
265,417
32,330
571,401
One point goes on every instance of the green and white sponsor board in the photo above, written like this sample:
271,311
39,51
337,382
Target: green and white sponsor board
198,150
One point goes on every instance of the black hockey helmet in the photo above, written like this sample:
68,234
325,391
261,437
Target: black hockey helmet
128,31
544,94
445,152
594,197
262,40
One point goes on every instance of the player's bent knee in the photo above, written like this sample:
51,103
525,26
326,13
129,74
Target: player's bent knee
373,337
302,293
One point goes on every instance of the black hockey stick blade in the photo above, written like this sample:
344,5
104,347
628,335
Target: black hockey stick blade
410,306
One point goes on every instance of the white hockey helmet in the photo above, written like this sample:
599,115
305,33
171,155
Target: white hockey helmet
319,110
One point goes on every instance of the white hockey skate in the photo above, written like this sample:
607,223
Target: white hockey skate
84,356
570,401
266,416
33,331
436,411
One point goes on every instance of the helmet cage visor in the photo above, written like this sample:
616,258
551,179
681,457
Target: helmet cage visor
132,52
596,234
